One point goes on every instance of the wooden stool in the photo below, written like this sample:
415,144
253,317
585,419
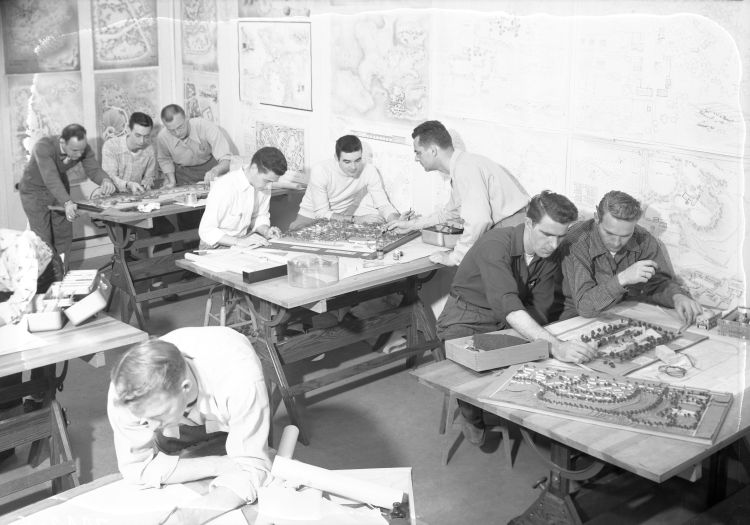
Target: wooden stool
234,306
48,424
451,440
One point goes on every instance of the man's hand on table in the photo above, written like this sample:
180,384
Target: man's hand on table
107,187
134,187
444,258
687,308
71,211
573,352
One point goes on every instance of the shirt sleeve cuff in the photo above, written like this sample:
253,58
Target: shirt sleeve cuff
158,470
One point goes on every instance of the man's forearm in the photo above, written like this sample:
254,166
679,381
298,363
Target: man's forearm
191,469
525,325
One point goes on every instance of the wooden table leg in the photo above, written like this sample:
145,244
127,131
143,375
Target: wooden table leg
121,278
267,323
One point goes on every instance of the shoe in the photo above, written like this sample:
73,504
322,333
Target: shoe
472,433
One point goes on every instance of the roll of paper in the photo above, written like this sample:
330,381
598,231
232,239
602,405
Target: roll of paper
319,478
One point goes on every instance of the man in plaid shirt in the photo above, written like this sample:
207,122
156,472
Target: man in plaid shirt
610,258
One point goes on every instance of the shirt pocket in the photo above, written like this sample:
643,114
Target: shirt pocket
232,220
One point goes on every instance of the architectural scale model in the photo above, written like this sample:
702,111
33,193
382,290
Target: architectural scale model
624,345
649,407
326,237
129,201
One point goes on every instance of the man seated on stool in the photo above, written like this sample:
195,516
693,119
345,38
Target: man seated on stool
238,204
610,258
484,195
189,386
508,279
345,189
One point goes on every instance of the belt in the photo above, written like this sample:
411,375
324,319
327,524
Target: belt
459,298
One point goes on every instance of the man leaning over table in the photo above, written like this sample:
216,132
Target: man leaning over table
45,183
484,195
610,258
190,151
192,385
238,204
509,279
129,159
345,189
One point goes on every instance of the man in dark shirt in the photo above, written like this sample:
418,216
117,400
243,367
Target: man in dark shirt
45,183
508,279
610,258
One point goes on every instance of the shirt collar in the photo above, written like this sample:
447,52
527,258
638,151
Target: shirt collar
516,240
453,161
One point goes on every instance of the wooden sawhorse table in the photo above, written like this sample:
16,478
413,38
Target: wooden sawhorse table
275,305
722,366
88,341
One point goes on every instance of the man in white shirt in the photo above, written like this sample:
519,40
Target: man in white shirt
484,195
345,189
189,386
238,204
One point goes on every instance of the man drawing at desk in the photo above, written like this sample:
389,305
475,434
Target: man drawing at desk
610,258
238,204
509,279
192,385
484,195
345,189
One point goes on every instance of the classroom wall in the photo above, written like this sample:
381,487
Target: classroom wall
577,96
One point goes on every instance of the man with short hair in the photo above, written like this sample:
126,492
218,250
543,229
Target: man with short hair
191,385
190,150
508,279
238,204
345,189
610,258
129,159
45,183
484,195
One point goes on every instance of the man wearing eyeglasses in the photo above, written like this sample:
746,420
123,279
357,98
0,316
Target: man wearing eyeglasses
238,207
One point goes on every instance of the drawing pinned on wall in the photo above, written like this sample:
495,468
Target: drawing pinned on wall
201,92
290,140
36,43
273,8
199,26
40,105
524,58
118,94
690,206
637,78
276,64
535,158
125,33
380,66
